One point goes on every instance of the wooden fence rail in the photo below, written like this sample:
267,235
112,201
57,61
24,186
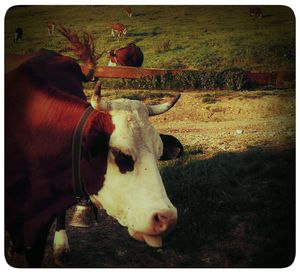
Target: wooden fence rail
278,79
130,72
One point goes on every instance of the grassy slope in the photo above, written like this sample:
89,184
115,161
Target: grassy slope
233,38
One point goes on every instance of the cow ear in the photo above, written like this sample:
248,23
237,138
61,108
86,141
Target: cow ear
172,147
94,144
96,136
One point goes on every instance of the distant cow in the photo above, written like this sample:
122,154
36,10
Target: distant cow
51,28
128,11
255,12
119,29
18,34
131,56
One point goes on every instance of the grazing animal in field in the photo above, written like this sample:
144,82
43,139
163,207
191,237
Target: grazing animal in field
119,29
51,28
59,147
131,56
255,12
18,34
128,11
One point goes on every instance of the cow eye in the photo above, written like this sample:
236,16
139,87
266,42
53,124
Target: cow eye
124,162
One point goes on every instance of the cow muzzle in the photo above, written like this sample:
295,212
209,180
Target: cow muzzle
161,223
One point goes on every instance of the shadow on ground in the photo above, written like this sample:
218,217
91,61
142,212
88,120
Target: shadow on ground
235,210
138,34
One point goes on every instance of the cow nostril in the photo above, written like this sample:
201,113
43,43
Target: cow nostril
160,222
157,218
161,218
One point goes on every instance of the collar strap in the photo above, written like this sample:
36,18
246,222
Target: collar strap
78,186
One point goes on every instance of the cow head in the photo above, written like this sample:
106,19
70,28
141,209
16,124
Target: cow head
133,191
112,56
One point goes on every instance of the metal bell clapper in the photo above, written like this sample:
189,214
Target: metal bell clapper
84,214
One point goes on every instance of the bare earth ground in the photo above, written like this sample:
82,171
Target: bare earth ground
232,121
235,122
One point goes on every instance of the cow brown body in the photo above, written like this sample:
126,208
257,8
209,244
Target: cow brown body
41,115
131,56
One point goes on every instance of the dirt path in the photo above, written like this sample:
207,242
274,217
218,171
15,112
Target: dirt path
231,121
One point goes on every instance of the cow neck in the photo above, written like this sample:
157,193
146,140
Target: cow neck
78,186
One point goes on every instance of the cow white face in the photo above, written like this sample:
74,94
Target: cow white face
112,64
133,191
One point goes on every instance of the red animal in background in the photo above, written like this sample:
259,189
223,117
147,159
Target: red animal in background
51,28
119,29
115,159
128,11
255,12
131,56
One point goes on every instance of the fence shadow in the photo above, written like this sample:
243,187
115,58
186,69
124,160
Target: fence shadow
138,14
131,34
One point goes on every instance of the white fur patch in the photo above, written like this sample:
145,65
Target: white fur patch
111,64
133,197
60,243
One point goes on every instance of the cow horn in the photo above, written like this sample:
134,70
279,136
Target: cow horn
161,108
96,101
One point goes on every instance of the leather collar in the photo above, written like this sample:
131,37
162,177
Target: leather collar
78,185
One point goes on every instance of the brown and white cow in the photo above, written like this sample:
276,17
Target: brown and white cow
255,12
131,56
51,28
119,29
116,156
128,11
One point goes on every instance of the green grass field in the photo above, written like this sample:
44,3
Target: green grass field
201,37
